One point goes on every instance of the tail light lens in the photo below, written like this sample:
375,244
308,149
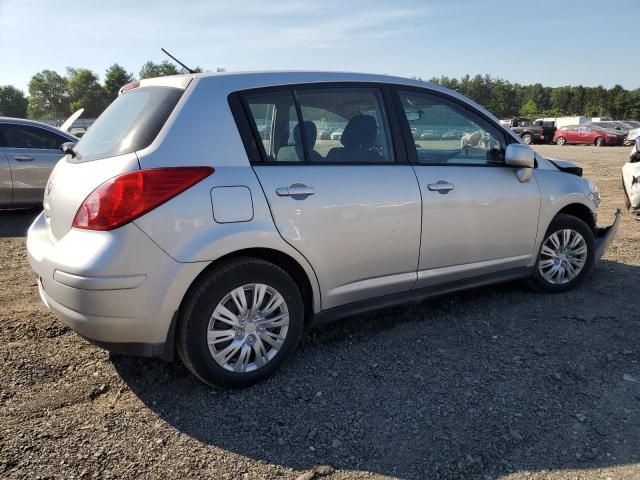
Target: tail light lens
124,198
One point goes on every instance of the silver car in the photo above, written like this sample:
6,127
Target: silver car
28,152
178,225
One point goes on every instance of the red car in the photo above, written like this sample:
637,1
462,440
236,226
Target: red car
588,134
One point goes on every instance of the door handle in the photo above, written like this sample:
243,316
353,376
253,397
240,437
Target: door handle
441,186
298,191
23,158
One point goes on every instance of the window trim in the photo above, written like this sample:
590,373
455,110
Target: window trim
4,142
408,138
255,148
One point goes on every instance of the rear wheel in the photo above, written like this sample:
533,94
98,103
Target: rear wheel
566,255
561,140
599,142
527,138
240,323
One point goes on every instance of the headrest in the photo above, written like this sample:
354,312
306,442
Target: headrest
310,132
361,131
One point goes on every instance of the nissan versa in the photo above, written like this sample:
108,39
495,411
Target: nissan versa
204,214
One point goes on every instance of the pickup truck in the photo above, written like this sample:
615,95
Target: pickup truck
531,131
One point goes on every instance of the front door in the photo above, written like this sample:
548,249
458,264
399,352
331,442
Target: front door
32,153
337,190
477,217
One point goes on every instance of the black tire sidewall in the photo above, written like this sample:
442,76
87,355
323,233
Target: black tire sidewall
561,222
194,320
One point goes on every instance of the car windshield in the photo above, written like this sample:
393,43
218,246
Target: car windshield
130,123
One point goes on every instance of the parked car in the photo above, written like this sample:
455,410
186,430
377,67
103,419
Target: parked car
532,131
158,237
587,134
631,180
632,136
28,152
336,134
612,125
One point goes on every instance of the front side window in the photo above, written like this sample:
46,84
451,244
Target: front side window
23,136
445,132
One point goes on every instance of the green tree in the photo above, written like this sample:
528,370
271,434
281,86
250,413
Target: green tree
13,102
85,92
48,95
529,109
114,78
150,70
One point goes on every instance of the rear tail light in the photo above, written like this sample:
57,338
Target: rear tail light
124,198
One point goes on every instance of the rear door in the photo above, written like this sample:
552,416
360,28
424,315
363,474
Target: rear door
477,217
585,134
32,153
349,203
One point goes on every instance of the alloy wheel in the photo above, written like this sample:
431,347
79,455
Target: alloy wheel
563,256
248,327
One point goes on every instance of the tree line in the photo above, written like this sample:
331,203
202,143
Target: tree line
506,99
52,95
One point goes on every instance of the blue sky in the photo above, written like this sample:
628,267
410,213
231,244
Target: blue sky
552,42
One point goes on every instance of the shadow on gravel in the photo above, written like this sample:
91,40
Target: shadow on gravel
484,383
15,223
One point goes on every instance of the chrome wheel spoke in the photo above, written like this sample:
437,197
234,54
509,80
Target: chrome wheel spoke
278,321
258,298
275,301
260,353
223,314
240,300
219,336
272,339
549,252
243,359
227,353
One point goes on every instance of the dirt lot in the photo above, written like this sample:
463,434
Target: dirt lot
494,383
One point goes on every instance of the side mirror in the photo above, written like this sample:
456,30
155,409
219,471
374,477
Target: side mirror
523,158
67,148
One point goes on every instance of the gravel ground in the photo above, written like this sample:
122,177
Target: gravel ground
497,382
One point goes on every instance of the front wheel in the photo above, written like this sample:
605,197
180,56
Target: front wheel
241,322
527,138
599,142
566,255
561,141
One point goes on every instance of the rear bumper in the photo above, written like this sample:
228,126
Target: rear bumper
604,236
117,289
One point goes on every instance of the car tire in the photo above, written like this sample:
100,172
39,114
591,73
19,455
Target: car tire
563,262
599,142
527,138
236,343
561,141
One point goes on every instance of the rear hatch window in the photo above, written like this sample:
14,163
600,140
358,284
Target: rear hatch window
129,124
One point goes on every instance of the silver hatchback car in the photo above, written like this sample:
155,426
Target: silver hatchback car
204,214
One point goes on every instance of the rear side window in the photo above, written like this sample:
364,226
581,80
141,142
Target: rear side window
129,124
23,136
340,125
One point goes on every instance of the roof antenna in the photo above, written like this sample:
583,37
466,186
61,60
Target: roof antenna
181,64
